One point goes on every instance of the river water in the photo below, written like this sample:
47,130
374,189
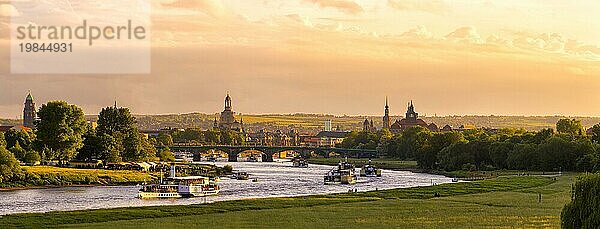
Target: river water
275,179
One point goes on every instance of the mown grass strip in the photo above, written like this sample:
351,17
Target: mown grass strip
54,219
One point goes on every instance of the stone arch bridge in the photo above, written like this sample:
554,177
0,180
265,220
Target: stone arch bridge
268,151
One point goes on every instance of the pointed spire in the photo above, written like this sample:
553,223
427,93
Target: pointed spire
115,103
386,102
29,97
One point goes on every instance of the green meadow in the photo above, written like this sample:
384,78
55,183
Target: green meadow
503,202
56,176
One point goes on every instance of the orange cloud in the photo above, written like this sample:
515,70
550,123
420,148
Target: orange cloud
342,5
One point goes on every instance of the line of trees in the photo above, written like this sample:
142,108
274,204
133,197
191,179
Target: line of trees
568,149
62,134
205,137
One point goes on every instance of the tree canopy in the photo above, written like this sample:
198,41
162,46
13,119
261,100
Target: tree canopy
569,126
60,129
584,209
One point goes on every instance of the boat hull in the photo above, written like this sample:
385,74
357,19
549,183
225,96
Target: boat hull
159,195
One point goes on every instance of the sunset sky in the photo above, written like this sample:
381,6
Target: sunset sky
525,57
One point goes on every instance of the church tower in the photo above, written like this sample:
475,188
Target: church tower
227,102
411,115
366,126
386,116
227,120
29,112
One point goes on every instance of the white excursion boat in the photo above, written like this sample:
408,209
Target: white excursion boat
343,174
180,187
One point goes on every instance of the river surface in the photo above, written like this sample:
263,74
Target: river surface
275,179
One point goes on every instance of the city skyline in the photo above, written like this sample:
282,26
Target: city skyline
29,107
527,58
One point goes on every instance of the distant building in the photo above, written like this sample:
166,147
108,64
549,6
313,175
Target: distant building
433,127
447,128
29,115
589,131
386,116
330,138
327,125
411,120
467,127
278,138
227,120
368,126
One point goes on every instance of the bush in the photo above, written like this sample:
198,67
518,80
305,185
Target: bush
9,166
166,155
31,157
584,209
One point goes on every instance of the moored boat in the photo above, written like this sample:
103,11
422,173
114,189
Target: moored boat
300,162
240,176
369,170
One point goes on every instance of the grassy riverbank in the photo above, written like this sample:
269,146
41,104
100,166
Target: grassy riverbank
500,202
380,163
41,176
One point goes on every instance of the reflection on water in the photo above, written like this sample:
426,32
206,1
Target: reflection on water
275,179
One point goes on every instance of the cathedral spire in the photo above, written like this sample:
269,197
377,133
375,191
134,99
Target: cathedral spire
386,102
386,115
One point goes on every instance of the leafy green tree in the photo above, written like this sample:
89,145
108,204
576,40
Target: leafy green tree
557,154
523,157
596,133
499,153
2,141
9,166
127,143
411,141
363,139
190,135
584,209
24,138
543,135
32,157
212,137
164,139
112,120
569,126
60,129
455,156
166,155
18,151
428,156
97,147
137,147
